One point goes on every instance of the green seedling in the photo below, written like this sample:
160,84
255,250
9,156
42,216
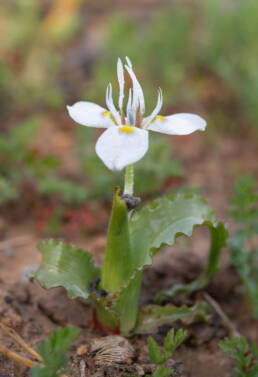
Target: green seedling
243,247
134,235
171,343
53,353
244,356
161,358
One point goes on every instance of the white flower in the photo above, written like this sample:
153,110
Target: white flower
126,139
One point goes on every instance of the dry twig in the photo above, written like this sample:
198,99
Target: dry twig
227,322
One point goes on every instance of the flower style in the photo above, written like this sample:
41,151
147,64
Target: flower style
126,139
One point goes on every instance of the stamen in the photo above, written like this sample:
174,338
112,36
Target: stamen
127,129
138,120
129,110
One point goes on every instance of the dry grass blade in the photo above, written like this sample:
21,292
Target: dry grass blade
13,334
19,359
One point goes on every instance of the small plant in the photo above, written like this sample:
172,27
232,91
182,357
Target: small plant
134,236
245,356
51,356
53,353
171,343
243,249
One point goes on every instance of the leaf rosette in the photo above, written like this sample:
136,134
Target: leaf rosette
132,242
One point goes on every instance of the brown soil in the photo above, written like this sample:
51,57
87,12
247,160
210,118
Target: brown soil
34,312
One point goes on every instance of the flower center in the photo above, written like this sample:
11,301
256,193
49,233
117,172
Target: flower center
127,129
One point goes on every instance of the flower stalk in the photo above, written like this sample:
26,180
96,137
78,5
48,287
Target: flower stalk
129,180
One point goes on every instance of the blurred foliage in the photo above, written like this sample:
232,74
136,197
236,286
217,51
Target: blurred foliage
243,246
204,54
244,355
21,163
70,191
33,34
150,173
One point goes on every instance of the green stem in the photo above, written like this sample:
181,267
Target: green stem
129,180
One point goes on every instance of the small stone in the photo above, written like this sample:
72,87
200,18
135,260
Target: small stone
82,350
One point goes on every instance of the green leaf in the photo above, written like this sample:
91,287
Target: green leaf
244,209
163,372
218,236
161,221
155,354
172,340
119,256
246,364
65,265
119,274
126,303
165,219
153,316
53,353
253,372
107,319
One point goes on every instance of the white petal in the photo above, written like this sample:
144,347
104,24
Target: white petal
90,114
138,96
178,124
128,61
121,81
118,149
147,120
110,104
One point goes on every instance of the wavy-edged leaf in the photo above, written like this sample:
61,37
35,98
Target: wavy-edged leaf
161,221
156,224
153,316
167,218
65,265
218,236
